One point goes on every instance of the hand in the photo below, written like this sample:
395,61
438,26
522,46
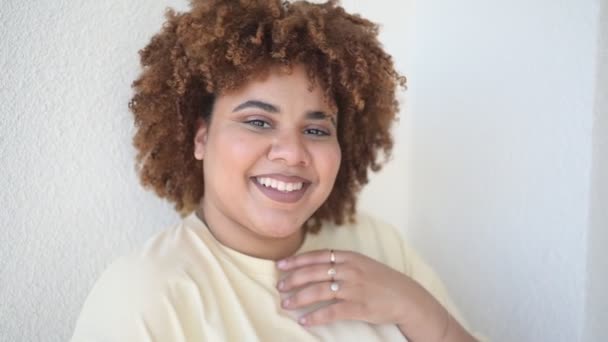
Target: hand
368,290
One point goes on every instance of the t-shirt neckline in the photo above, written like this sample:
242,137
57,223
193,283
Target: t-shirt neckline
249,264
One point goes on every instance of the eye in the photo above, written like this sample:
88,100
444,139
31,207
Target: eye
316,131
258,123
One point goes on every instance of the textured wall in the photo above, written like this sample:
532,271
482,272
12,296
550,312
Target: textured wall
70,201
490,173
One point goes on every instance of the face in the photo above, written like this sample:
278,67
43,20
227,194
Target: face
270,154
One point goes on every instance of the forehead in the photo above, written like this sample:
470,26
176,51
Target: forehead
282,86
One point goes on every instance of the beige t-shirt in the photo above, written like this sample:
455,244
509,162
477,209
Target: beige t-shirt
186,286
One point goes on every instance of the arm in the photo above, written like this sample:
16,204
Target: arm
429,313
425,319
403,291
370,291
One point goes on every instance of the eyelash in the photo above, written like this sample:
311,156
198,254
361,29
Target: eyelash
257,123
319,133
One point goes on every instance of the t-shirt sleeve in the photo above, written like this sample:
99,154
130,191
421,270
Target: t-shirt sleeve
136,299
397,252
417,269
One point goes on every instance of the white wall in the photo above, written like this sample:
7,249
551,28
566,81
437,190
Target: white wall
596,312
500,140
490,178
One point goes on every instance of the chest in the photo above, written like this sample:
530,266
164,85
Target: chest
247,308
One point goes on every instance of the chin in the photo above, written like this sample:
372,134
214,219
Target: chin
279,227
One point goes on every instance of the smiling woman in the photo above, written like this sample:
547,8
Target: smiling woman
270,158
260,121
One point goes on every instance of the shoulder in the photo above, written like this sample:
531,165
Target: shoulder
385,243
367,235
397,248
139,294
394,245
136,275
161,262
364,226
376,227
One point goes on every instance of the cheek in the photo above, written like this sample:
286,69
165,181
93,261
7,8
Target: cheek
238,153
328,161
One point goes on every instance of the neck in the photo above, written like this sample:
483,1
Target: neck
241,239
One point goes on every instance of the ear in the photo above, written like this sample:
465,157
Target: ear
200,139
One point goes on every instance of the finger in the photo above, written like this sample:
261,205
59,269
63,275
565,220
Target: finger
314,293
335,312
313,257
312,274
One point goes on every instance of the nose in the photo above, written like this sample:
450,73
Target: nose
289,148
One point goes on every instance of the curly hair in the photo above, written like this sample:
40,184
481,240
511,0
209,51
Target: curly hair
221,45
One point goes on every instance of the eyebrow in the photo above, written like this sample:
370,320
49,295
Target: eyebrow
270,108
318,115
257,104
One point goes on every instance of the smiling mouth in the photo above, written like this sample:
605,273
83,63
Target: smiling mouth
280,191
279,185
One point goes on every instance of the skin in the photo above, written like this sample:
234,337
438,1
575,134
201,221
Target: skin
278,124
369,291
273,125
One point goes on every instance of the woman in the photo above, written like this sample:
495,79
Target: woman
259,120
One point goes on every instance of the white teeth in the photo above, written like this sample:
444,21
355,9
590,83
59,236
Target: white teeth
279,185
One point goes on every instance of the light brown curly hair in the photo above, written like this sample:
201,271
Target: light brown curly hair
220,45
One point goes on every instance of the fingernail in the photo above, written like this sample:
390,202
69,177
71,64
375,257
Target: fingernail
282,263
302,320
281,285
286,303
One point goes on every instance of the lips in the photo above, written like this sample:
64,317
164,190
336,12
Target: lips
281,188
